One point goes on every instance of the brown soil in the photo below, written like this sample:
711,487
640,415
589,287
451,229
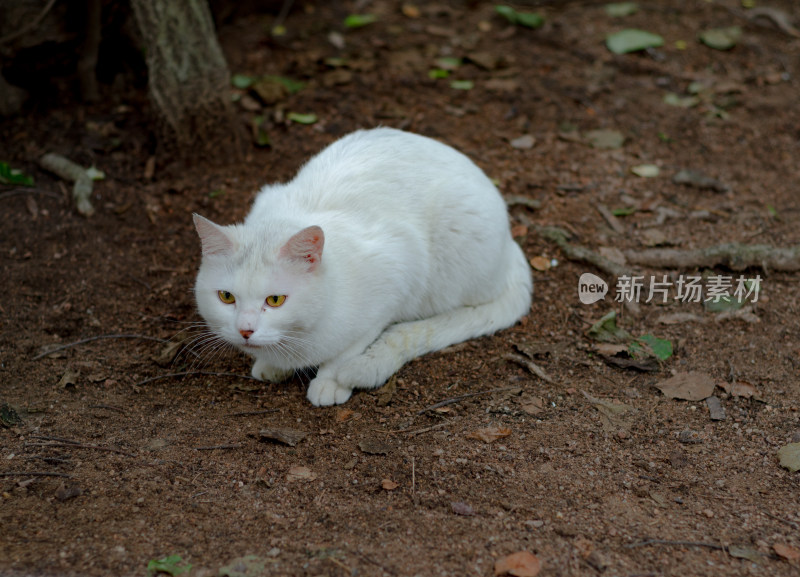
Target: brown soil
620,495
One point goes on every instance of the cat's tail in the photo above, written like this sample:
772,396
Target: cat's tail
404,341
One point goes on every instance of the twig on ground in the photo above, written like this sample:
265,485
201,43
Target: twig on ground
791,524
76,445
462,397
34,474
530,365
215,447
513,200
49,438
107,407
69,171
26,190
578,253
388,570
675,544
734,255
195,373
414,432
97,338
252,413
612,220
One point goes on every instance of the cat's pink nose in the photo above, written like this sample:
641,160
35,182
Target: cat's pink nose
246,334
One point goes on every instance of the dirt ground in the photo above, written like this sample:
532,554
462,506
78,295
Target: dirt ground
114,462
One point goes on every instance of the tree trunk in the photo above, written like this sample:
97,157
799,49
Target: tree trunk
188,79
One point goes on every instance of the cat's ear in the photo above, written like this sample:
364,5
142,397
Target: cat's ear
305,246
213,237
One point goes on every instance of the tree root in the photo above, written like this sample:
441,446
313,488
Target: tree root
580,253
733,255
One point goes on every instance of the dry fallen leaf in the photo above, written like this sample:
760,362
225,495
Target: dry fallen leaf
283,435
611,349
614,416
300,473
343,415
519,231
692,386
387,391
489,434
786,551
532,405
522,564
540,263
789,456
69,379
738,389
389,485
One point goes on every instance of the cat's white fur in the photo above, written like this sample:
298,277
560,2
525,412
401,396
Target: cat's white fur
388,245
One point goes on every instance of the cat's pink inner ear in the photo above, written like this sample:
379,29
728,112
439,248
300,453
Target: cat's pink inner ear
305,246
213,237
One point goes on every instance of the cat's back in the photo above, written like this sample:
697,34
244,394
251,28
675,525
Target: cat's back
380,166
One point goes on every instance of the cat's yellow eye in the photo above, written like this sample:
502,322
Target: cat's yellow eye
275,301
226,297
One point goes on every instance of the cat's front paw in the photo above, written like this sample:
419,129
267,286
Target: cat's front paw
264,372
326,392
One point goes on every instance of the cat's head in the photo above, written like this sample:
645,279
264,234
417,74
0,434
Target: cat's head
257,289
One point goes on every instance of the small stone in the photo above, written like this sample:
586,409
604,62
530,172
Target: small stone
524,142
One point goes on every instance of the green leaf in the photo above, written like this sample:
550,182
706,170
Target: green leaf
10,175
336,61
359,20
438,73
632,40
299,118
627,211
772,211
462,84
606,330
448,63
216,193
605,138
730,302
95,174
651,345
242,81
621,9
721,38
681,101
9,416
725,303
171,565
790,456
646,170
293,86
527,19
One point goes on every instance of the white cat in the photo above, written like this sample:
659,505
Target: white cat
386,246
